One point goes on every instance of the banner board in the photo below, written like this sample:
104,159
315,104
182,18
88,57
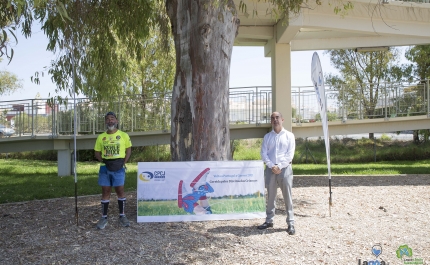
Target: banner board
200,191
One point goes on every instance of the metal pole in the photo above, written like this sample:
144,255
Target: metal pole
257,106
74,135
386,107
360,107
343,103
132,116
32,117
397,100
300,106
428,98
250,109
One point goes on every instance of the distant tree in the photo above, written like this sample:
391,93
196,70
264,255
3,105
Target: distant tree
9,82
419,69
420,56
362,77
331,116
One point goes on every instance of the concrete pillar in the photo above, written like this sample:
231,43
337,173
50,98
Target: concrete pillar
281,81
64,163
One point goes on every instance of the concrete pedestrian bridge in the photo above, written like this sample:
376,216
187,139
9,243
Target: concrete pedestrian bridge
40,126
370,25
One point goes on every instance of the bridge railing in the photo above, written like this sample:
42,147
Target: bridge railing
248,105
371,101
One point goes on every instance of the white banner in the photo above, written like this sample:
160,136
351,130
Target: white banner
318,81
200,190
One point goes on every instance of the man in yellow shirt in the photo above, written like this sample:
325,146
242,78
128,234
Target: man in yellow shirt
113,149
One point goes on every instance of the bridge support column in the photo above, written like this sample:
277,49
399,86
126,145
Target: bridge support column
64,163
281,80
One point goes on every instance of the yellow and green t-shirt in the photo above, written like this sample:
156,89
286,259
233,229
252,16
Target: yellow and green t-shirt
112,146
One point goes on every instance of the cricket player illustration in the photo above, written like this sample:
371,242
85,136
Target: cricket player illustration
189,202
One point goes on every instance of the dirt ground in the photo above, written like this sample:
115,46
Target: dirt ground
391,211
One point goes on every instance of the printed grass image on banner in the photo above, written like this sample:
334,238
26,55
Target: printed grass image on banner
200,190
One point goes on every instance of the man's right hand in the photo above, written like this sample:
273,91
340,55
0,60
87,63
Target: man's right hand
276,170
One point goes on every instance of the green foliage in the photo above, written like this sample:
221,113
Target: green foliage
13,14
247,149
105,46
9,82
282,8
345,150
138,154
150,153
420,56
363,150
331,116
424,135
102,42
385,137
31,155
362,77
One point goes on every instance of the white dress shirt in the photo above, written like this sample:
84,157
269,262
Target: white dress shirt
278,148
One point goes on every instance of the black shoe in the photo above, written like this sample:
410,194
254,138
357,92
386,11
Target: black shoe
290,230
265,226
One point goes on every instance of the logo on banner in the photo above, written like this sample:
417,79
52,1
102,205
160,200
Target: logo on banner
376,251
147,176
404,252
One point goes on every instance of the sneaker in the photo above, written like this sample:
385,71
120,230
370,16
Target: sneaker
102,223
265,226
124,221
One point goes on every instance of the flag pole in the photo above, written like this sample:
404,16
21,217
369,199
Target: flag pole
74,134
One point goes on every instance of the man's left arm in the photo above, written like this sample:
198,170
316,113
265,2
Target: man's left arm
289,153
291,147
127,149
127,154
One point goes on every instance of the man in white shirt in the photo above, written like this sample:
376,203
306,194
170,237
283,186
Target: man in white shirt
277,152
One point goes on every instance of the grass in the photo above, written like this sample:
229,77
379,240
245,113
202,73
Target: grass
24,180
30,179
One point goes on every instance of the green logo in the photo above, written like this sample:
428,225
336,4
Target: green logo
404,250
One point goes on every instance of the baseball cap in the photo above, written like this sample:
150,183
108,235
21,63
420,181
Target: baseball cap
110,113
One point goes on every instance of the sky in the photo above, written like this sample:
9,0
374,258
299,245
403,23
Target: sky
248,67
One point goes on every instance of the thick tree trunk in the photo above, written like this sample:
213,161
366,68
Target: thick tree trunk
204,35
